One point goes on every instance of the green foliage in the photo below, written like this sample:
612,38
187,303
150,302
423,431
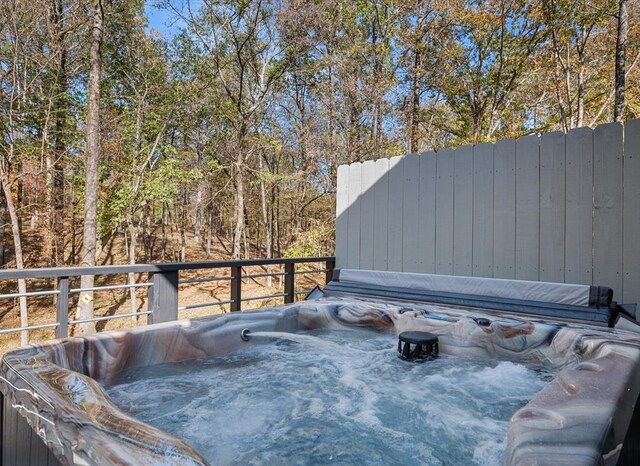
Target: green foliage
166,181
312,241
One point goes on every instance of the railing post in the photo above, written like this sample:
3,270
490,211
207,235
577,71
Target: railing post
163,297
62,308
236,288
289,282
331,264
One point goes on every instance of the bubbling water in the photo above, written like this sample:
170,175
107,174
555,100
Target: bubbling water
332,397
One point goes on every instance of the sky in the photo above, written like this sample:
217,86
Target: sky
161,20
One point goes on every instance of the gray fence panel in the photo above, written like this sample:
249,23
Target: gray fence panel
607,195
463,211
444,212
342,215
353,237
631,232
504,209
552,206
579,207
10,437
427,213
394,221
380,220
483,210
367,209
24,434
410,218
527,208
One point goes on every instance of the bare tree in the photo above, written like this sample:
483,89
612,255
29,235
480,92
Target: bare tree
621,44
18,24
55,158
92,156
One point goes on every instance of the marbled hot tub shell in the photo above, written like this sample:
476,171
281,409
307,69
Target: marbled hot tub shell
581,417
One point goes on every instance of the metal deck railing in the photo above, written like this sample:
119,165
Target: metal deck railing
163,287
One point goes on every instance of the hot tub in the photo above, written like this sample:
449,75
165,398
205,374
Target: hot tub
582,377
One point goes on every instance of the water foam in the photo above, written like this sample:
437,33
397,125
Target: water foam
338,397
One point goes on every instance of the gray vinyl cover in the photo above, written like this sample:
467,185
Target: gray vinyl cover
560,293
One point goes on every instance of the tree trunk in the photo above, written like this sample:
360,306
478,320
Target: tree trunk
209,233
581,87
17,245
197,223
333,156
133,241
278,234
74,234
163,250
183,227
55,167
580,98
266,223
621,43
3,210
239,210
92,156
415,101
199,214
147,234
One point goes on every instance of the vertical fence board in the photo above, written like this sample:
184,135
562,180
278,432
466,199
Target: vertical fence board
367,215
607,195
23,444
552,206
40,453
9,433
483,210
463,211
380,219
504,209
353,236
579,207
527,208
444,212
394,240
342,215
410,219
631,232
427,213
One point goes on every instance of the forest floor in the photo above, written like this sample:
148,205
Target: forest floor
41,310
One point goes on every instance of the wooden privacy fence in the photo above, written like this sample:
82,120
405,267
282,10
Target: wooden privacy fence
556,207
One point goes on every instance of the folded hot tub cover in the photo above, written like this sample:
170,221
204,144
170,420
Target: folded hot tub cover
552,300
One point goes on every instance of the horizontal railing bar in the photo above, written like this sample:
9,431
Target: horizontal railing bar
54,272
196,306
33,327
299,272
279,295
29,293
115,316
260,275
203,280
109,287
